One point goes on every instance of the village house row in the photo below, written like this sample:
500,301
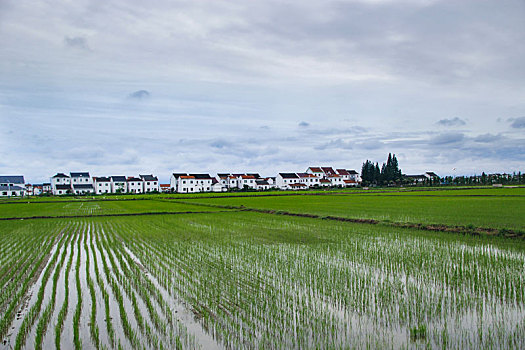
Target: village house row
79,183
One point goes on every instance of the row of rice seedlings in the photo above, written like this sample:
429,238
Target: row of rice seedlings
14,252
126,280
59,326
21,288
368,302
146,287
141,283
93,328
109,326
76,316
20,284
32,314
128,330
17,273
45,318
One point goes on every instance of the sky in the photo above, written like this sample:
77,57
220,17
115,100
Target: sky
126,87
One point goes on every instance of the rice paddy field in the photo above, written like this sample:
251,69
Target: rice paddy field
208,273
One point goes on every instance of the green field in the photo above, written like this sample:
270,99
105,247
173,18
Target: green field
86,208
494,208
211,277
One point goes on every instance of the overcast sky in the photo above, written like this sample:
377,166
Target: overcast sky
127,87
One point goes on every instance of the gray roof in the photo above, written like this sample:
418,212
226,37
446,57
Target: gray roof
102,179
83,187
201,176
352,172
12,179
177,175
11,188
118,178
82,174
261,182
289,175
149,178
60,175
416,176
63,187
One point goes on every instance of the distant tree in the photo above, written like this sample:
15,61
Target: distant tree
389,172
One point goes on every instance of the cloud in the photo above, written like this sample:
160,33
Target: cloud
304,124
447,138
220,144
337,143
488,138
76,42
139,95
451,122
517,123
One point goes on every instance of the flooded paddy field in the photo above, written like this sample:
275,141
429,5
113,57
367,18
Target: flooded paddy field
255,280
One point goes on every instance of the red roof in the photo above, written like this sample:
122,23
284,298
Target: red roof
324,181
350,181
342,172
187,177
328,170
297,185
315,169
164,185
247,177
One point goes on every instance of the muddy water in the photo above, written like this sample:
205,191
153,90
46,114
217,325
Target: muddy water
113,309
49,338
179,311
29,300
128,307
85,314
100,314
66,339
48,291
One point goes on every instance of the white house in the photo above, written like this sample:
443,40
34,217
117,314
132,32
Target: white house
310,180
325,183
233,181
46,187
62,180
186,184
81,183
102,185
218,186
262,185
222,178
81,178
202,182
37,190
62,189
151,183
134,185
316,171
119,184
284,180
12,185
83,189
431,176
246,181
174,181
335,180
28,190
